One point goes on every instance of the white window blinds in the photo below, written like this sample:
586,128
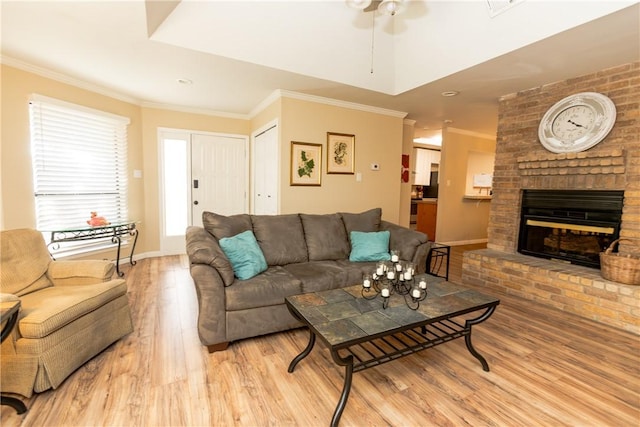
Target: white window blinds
79,164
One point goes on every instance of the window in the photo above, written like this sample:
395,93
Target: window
79,160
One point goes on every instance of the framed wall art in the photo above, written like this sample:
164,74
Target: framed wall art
341,153
306,163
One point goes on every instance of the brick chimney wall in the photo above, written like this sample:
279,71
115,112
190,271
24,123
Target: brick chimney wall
523,163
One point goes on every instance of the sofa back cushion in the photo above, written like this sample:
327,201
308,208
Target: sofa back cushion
326,237
221,226
368,221
281,238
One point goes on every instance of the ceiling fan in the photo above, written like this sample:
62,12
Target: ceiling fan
387,7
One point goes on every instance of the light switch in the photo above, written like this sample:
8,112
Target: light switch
358,177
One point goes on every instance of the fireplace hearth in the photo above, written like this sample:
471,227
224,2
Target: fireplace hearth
571,226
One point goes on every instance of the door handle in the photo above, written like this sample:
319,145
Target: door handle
195,202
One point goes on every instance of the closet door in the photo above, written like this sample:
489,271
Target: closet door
265,172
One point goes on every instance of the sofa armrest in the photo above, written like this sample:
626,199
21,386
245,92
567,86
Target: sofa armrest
203,248
412,245
79,272
207,264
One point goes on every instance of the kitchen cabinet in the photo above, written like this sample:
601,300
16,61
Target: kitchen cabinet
426,219
423,159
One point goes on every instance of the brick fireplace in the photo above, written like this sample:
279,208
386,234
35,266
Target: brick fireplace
522,163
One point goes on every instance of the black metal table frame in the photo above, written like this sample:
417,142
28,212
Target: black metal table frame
100,232
421,336
437,253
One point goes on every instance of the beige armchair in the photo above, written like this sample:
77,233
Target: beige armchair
70,312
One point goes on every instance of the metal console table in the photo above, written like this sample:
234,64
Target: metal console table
114,231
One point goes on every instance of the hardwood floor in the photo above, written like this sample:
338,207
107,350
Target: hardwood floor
547,369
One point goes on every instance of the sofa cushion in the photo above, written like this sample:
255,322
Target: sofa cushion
281,238
268,288
244,254
325,236
319,275
367,221
372,246
50,309
221,226
356,270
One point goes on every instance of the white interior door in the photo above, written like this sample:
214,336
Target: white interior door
218,175
265,172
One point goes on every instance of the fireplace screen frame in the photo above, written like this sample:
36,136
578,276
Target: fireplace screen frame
594,213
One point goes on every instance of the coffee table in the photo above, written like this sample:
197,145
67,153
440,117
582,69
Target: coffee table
360,334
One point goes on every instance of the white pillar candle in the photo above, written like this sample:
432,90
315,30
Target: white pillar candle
407,275
385,293
416,293
398,267
391,275
366,283
423,284
379,270
394,258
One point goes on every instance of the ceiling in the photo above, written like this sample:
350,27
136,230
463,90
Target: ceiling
237,53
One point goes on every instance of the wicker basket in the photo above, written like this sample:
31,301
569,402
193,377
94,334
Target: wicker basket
620,268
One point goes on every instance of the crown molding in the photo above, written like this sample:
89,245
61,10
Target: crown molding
72,81
193,110
282,93
275,95
63,78
409,122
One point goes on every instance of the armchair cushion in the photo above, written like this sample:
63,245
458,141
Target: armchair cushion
25,259
50,309
81,272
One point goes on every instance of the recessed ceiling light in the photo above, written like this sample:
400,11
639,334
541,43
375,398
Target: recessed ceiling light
185,81
449,93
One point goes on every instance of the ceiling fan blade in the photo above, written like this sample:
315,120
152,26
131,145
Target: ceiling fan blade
373,6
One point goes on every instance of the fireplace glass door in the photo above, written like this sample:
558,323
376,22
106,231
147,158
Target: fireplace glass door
569,226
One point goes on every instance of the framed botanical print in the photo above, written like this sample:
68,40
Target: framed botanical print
306,163
341,153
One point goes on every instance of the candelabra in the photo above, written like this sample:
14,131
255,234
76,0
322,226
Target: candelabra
395,277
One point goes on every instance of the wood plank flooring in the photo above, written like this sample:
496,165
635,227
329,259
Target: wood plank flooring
548,368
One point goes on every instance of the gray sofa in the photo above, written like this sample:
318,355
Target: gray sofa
304,253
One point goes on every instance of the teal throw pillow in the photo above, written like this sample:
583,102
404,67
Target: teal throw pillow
372,246
244,254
